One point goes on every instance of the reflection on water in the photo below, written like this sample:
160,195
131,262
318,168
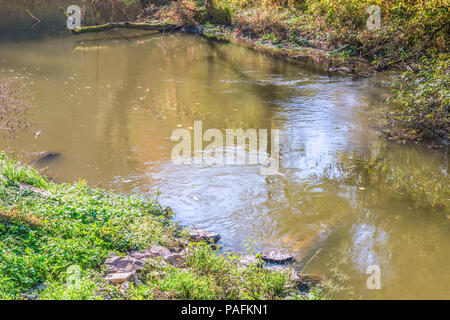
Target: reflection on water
110,106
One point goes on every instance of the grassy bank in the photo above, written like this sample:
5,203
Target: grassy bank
413,38
55,235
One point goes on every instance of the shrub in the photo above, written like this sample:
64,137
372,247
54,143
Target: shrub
421,102
15,108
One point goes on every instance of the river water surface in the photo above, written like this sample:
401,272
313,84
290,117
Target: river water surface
109,107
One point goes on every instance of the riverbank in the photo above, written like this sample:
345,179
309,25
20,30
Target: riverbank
411,38
70,241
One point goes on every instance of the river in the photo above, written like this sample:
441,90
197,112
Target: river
110,102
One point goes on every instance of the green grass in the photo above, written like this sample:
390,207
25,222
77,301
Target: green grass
48,239
13,173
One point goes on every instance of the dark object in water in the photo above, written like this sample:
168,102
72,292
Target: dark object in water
46,158
203,235
278,256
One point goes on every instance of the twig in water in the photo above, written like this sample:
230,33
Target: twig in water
31,15
314,255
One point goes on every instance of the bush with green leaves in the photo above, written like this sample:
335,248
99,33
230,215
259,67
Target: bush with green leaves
40,237
420,104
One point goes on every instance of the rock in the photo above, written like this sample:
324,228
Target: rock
135,261
157,264
176,260
158,251
248,260
46,158
302,287
41,287
124,265
203,235
278,256
119,277
156,256
153,252
141,255
33,293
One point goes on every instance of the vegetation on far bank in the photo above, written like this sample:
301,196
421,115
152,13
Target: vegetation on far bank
45,231
413,38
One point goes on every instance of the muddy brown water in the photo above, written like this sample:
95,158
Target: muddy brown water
109,107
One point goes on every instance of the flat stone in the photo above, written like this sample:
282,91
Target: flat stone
141,255
155,251
135,261
112,259
119,277
277,256
158,251
176,259
157,264
203,235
